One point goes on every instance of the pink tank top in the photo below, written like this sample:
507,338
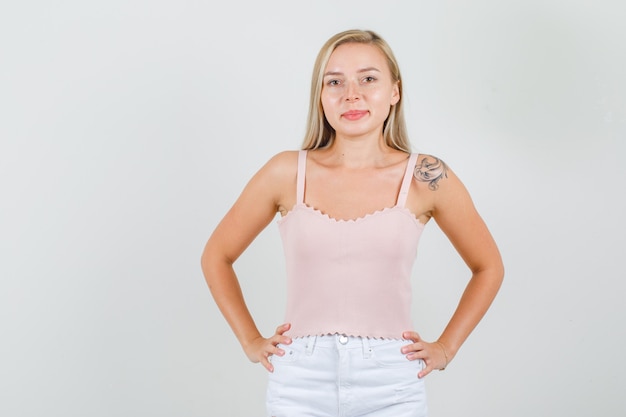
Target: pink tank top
350,277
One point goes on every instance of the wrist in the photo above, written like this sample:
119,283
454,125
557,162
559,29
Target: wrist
445,354
249,340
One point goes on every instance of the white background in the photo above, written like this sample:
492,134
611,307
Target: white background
128,128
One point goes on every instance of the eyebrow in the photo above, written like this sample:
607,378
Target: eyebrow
359,71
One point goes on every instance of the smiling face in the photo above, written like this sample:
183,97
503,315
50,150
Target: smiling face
358,90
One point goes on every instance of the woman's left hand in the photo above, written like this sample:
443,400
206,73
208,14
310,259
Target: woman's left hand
433,354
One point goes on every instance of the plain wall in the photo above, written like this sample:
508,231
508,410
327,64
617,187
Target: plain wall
128,128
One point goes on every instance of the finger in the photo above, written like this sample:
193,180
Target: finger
412,356
414,336
283,328
267,364
413,347
276,340
279,335
428,369
275,350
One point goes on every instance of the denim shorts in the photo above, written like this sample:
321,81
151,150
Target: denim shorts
344,376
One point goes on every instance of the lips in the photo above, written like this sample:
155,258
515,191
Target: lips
354,114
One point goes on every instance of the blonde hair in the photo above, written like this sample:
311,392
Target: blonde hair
319,133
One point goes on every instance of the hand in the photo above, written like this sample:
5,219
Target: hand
433,354
260,349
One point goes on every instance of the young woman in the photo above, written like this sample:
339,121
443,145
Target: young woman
353,203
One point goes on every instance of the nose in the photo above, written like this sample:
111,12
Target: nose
352,91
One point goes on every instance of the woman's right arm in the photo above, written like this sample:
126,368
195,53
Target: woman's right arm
255,208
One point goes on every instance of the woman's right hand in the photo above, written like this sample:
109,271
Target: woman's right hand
260,349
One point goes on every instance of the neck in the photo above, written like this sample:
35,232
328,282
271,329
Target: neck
359,152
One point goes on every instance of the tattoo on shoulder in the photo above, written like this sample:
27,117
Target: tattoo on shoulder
431,170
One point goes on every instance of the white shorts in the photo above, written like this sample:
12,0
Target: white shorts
342,376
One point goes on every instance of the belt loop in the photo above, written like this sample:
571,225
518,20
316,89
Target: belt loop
310,345
367,348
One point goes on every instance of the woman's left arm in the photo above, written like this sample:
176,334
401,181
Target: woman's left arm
456,215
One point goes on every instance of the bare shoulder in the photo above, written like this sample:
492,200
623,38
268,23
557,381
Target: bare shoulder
442,188
436,188
278,170
278,178
431,171
282,164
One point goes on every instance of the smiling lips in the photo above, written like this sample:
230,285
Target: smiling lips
354,114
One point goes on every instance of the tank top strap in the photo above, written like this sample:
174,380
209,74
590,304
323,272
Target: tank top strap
301,176
406,182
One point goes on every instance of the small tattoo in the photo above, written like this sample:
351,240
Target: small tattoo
431,170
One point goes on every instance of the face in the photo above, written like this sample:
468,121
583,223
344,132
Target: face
358,90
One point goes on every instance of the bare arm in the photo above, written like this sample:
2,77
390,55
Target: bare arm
252,212
457,217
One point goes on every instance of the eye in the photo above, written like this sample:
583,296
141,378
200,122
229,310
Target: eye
369,79
333,82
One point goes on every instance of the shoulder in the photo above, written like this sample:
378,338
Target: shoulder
441,186
431,171
278,172
281,164
273,180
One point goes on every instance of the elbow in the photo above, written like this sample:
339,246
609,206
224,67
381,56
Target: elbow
492,273
498,274
207,264
213,261
496,268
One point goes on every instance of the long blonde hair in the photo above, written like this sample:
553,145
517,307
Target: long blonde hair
319,133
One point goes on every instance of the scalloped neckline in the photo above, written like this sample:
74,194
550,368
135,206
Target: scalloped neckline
355,220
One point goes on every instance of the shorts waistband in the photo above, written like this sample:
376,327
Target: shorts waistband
344,342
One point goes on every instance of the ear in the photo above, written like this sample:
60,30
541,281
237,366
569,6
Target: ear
395,93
